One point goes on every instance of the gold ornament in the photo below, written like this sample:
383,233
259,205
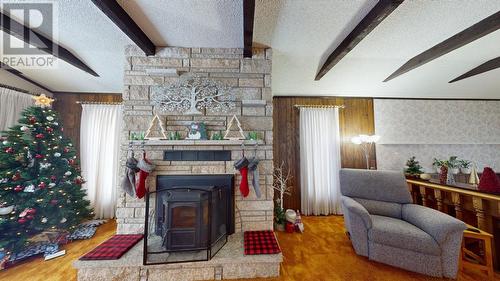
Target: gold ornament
43,101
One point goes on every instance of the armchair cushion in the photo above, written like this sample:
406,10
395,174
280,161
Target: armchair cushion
381,208
400,234
388,186
355,208
438,225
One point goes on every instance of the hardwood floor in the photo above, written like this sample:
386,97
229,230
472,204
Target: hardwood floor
322,253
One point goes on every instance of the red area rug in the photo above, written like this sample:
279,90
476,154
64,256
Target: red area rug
261,243
113,248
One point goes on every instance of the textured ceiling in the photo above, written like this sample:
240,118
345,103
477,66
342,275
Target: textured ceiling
84,30
301,32
305,32
189,23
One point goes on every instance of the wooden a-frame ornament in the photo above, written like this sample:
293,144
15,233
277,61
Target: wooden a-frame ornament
155,120
240,135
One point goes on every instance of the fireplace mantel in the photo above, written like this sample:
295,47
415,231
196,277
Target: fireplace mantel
196,142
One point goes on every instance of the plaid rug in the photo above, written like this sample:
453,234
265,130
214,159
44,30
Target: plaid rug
261,243
113,248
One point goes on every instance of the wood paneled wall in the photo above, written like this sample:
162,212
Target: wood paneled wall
70,112
356,118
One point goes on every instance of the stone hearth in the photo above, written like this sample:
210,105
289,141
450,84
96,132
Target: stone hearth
229,263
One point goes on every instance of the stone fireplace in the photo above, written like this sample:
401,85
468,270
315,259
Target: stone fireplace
250,79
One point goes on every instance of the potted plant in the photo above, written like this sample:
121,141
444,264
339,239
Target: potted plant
413,168
280,184
465,166
453,164
437,163
279,217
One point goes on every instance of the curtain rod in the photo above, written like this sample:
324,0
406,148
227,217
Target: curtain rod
100,102
319,106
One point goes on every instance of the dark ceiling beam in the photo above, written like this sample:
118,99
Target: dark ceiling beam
120,18
376,15
21,75
41,42
248,18
476,31
485,67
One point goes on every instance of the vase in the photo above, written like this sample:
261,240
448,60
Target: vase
443,174
465,170
455,171
438,169
450,178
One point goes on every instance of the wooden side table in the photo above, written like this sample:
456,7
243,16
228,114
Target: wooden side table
480,260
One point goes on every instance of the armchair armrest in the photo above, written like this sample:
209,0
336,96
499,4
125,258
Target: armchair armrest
354,207
437,224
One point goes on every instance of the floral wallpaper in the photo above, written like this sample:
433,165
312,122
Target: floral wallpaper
437,128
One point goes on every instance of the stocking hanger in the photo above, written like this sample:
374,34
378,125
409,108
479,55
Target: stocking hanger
130,148
143,149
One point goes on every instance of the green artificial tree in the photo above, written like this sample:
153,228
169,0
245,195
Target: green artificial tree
413,167
40,182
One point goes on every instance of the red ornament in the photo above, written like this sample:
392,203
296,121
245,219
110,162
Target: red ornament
49,129
39,136
53,178
16,177
32,120
18,188
53,202
9,150
71,161
66,149
41,185
21,220
30,217
31,211
38,156
78,181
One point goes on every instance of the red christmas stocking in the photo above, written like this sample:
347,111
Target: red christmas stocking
145,167
244,182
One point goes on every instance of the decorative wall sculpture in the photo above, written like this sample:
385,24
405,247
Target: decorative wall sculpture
191,94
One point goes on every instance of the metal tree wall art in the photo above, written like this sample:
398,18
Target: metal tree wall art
192,94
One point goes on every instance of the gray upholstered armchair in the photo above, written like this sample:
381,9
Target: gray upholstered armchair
385,226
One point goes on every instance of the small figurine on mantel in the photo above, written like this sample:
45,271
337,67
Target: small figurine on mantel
197,131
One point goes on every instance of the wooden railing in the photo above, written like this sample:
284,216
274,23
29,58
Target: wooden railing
484,205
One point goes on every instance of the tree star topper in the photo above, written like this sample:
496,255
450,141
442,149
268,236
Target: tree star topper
42,100
191,94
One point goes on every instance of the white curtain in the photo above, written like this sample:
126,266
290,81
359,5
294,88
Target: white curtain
320,161
99,153
12,103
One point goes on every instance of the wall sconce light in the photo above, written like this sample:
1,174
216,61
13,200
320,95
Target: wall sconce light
366,142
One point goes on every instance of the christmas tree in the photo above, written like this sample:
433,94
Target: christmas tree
413,167
40,182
